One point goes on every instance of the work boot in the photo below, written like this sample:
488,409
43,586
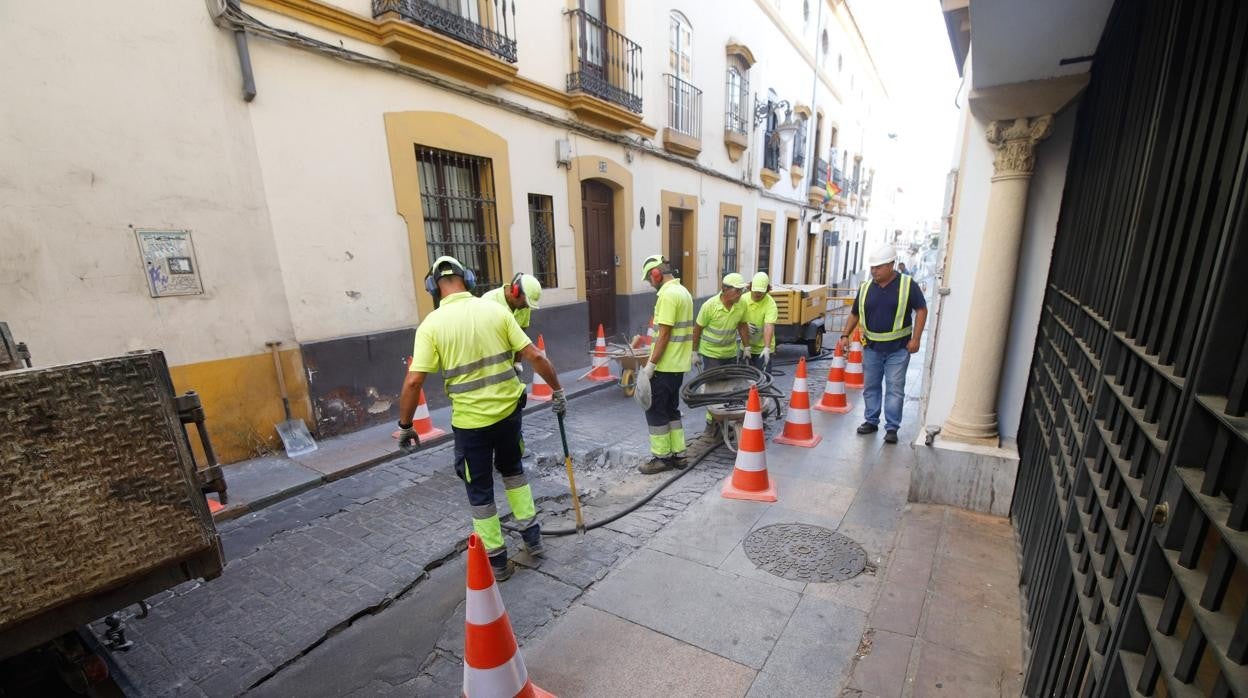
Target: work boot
680,462
502,566
890,436
712,429
654,465
533,540
867,428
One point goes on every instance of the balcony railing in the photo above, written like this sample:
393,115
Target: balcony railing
737,96
799,145
489,25
771,151
819,178
684,107
605,63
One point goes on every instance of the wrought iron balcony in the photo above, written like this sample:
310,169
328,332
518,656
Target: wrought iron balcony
819,178
684,107
771,151
605,63
489,25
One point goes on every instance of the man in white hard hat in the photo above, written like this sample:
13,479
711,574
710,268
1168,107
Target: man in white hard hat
522,296
658,384
761,315
884,308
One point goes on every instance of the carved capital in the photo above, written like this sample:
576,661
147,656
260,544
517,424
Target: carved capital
1015,142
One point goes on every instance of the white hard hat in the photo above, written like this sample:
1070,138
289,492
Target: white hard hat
532,290
882,255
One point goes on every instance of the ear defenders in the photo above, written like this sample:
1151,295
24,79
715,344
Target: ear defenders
656,272
516,289
431,281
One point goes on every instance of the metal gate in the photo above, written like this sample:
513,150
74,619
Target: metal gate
1132,498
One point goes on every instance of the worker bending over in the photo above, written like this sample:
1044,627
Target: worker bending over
658,384
521,297
720,322
761,314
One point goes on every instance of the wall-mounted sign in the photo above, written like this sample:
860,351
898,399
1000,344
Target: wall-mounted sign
169,262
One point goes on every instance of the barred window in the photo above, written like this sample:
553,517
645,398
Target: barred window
764,247
457,195
542,237
729,246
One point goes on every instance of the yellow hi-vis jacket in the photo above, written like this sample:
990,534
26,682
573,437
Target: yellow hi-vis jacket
472,341
674,307
522,315
719,327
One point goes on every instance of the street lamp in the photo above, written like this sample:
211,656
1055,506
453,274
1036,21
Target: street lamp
786,129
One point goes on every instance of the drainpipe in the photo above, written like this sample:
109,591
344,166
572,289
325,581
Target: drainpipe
244,58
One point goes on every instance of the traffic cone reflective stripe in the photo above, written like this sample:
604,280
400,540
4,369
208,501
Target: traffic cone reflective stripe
834,399
540,390
422,422
600,371
853,369
749,478
493,667
797,428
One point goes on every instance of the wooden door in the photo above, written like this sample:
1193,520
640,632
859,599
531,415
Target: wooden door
676,238
812,250
599,231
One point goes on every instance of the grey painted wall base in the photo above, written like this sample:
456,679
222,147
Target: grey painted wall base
969,477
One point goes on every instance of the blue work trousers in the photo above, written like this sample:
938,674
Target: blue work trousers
888,368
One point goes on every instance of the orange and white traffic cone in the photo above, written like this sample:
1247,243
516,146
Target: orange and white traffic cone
797,428
834,391
422,422
853,368
540,390
493,667
644,341
749,475
600,370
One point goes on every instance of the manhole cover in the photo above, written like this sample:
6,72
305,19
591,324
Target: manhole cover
805,553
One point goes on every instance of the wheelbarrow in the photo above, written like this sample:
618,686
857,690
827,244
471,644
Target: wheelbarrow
630,360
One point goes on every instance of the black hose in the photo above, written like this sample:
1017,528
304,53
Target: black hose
695,396
625,511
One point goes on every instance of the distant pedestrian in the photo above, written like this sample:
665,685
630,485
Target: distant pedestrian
883,308
658,384
471,341
761,315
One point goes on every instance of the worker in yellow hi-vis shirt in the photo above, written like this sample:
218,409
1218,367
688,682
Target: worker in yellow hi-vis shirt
761,314
471,341
520,297
658,384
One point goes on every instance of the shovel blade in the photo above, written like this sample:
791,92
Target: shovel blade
295,437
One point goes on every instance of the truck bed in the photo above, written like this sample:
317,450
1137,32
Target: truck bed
99,503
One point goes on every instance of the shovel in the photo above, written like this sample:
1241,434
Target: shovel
567,461
294,432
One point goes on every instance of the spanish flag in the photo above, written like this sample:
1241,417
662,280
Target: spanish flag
830,189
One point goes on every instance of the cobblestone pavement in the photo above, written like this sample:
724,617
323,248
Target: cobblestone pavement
307,569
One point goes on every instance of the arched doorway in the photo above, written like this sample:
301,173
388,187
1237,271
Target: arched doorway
598,228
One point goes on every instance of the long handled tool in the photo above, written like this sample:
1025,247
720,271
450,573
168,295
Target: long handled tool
567,461
294,432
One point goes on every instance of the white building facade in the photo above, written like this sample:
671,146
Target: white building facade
206,179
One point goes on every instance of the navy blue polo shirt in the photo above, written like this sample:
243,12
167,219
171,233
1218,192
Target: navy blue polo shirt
882,309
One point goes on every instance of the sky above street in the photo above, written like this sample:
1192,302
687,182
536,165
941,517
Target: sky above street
908,42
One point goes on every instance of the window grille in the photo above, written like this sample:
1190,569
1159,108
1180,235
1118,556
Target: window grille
764,247
729,246
461,220
542,237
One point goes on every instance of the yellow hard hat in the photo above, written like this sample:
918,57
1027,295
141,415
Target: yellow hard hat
654,260
532,290
734,280
760,282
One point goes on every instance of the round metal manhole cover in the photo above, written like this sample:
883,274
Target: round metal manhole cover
805,553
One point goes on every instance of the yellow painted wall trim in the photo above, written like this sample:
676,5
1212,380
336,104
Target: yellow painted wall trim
620,179
406,130
743,52
371,31
242,403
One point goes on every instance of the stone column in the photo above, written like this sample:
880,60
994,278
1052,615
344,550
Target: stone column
974,415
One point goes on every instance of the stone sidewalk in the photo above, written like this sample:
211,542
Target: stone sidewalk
935,614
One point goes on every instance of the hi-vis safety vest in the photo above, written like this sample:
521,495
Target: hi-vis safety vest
472,342
900,330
